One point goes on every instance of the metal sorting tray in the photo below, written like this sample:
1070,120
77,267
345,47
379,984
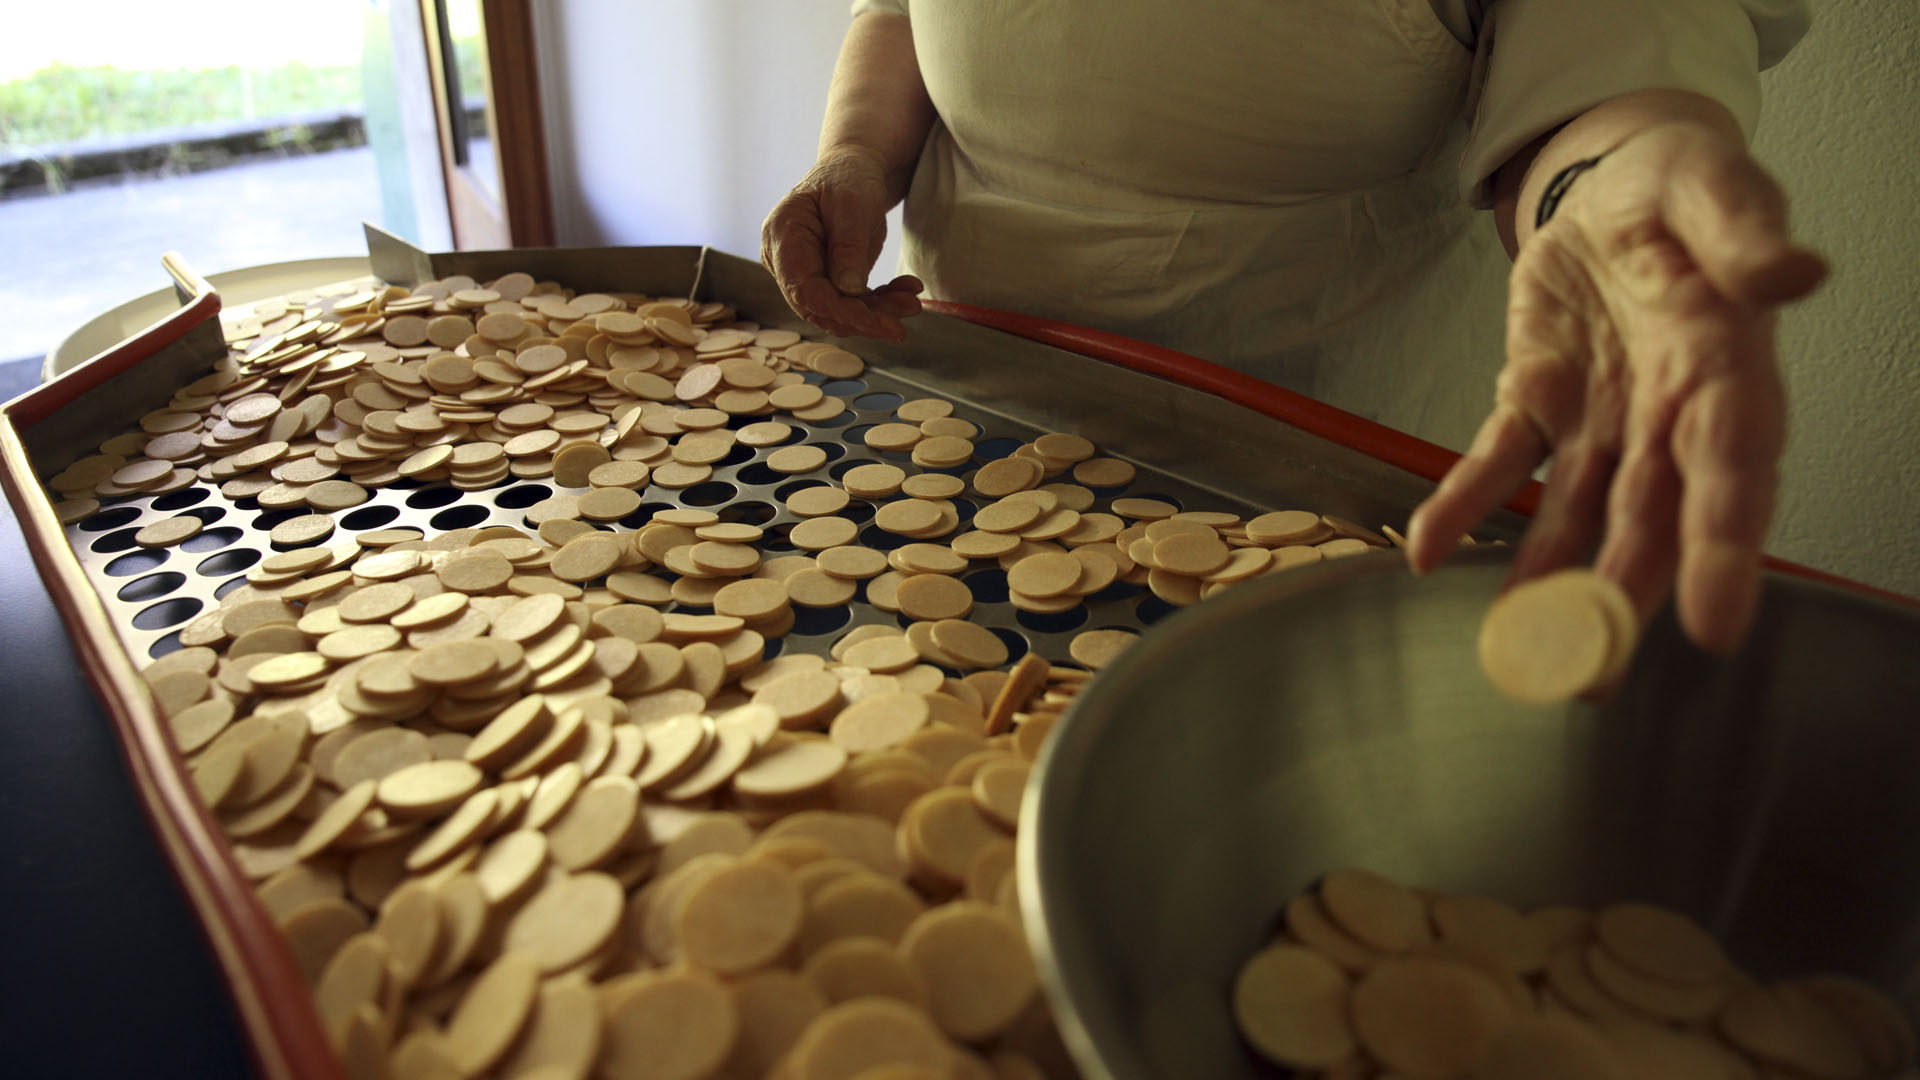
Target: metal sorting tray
1191,447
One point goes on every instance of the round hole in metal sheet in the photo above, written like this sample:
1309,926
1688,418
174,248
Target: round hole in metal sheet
432,498
1119,590
1151,609
151,587
790,488
740,454
1071,619
857,435
136,562
758,475
370,517
212,539
812,621
751,512
115,541
267,519
180,500
230,561
772,649
844,387
110,519
1017,643
168,644
207,514
465,516
711,493
879,401
220,591
879,539
167,613
965,508
813,378
858,511
645,513
521,496
987,586
994,449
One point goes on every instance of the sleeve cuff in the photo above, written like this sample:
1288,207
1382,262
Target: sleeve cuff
883,7
1546,62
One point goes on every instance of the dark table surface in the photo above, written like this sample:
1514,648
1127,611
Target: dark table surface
108,973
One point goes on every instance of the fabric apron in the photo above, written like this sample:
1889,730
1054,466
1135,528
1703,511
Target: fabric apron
1267,184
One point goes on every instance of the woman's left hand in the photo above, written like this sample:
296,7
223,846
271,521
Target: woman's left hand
1640,357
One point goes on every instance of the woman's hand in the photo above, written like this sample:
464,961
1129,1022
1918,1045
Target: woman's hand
1640,356
821,241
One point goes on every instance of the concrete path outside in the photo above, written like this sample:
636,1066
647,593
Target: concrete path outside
66,258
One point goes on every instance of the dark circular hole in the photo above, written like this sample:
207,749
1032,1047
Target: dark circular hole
152,587
1070,619
207,514
858,511
711,493
793,487
965,508
879,539
1119,590
813,378
167,613
432,498
750,513
110,519
987,586
857,434
740,454
776,543
136,562
220,592
879,401
645,513
267,519
230,561
995,448
759,475
1017,645
370,517
839,469
772,649
521,496
820,620
115,541
180,500
459,517
170,643
844,387
212,539
834,451
1151,609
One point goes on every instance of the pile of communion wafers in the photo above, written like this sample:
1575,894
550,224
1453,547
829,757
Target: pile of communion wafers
535,802
1371,979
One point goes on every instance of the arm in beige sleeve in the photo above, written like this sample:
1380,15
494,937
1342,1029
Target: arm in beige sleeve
878,104
1567,82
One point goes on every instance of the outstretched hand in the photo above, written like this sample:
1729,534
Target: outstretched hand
1640,357
820,243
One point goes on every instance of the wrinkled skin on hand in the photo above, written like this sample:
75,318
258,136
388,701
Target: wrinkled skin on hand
1640,357
820,243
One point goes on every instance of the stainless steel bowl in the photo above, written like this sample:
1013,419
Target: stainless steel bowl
1337,716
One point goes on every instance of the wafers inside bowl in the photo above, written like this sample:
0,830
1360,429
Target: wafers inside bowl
1339,718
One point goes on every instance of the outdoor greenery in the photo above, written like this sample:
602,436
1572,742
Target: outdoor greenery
59,104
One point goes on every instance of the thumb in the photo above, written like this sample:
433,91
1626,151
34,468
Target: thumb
853,240
1732,217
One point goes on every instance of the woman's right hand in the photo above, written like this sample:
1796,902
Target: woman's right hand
820,243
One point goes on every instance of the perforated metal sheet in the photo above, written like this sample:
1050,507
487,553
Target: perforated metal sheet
151,594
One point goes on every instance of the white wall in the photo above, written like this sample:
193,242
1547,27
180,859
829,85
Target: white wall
1839,127
683,122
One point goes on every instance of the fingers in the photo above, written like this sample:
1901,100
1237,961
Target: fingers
1642,545
1732,218
793,247
1726,446
1572,512
1504,453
